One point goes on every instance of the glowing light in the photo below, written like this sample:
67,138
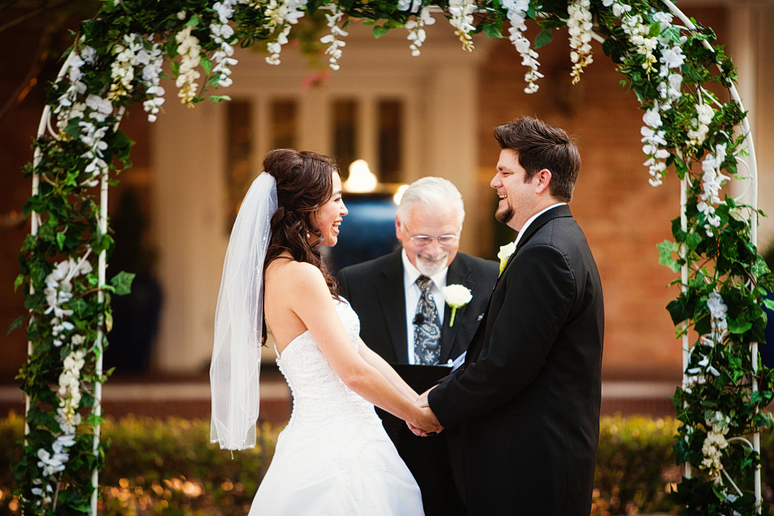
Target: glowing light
399,194
361,179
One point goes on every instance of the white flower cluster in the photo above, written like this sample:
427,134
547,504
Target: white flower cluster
714,444
280,13
653,138
517,14
462,20
332,40
698,134
51,464
221,32
59,289
579,25
669,80
68,419
70,104
190,57
70,385
711,182
697,375
416,28
122,67
638,31
152,61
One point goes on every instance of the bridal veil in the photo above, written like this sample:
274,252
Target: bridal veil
236,354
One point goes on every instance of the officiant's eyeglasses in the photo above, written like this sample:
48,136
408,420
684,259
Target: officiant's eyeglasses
423,240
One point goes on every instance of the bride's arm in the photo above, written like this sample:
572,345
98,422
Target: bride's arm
386,370
307,295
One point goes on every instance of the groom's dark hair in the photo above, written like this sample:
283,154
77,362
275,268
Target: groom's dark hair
540,146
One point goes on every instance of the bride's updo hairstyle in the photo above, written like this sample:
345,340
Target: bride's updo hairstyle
304,184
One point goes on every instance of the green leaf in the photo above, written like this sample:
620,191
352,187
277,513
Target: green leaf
175,68
219,98
665,250
122,282
739,325
543,38
17,323
379,30
193,22
493,28
678,311
73,128
122,145
60,240
18,282
206,65
693,240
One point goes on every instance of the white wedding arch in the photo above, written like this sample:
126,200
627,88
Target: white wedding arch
666,59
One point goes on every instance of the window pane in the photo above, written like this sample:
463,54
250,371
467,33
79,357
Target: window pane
345,148
284,123
390,141
239,149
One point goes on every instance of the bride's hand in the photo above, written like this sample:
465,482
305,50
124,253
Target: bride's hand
425,421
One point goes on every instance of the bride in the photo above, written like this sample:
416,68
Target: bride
334,456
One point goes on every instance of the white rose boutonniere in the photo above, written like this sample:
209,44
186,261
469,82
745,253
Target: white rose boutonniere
456,296
505,253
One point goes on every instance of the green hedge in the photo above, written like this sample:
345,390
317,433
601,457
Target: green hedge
169,467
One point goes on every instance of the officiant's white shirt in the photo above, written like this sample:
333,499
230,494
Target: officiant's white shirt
412,290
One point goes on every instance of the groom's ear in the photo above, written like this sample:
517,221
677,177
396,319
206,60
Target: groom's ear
542,179
398,232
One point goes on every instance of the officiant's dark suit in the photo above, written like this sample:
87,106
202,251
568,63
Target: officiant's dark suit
527,399
376,291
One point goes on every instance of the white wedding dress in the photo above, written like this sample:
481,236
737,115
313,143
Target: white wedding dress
334,457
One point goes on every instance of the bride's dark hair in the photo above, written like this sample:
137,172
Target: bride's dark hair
304,184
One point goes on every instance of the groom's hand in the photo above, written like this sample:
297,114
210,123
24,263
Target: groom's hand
428,424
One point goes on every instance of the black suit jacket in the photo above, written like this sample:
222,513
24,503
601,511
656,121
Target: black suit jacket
375,291
529,394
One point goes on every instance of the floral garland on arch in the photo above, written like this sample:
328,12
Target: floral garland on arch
117,61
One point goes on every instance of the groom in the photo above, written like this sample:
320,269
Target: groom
528,397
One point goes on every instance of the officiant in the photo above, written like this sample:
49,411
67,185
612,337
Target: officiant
405,318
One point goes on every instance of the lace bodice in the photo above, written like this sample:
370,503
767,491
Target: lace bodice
317,390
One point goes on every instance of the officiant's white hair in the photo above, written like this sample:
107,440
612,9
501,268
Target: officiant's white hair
431,192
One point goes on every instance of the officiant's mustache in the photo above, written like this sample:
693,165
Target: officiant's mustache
431,265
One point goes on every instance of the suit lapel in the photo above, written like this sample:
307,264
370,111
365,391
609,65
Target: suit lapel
394,305
459,274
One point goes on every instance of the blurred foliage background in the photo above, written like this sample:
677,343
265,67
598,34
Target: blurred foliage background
169,467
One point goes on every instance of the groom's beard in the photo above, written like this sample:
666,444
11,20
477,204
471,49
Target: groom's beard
504,216
430,267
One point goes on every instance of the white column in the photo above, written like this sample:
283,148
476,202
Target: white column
451,137
742,47
189,200
763,121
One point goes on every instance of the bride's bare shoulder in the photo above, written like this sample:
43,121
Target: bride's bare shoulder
288,272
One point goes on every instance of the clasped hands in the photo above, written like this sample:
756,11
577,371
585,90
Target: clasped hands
427,423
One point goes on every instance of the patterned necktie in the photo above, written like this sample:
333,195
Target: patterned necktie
427,330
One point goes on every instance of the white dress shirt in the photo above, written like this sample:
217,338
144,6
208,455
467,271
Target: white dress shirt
412,290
